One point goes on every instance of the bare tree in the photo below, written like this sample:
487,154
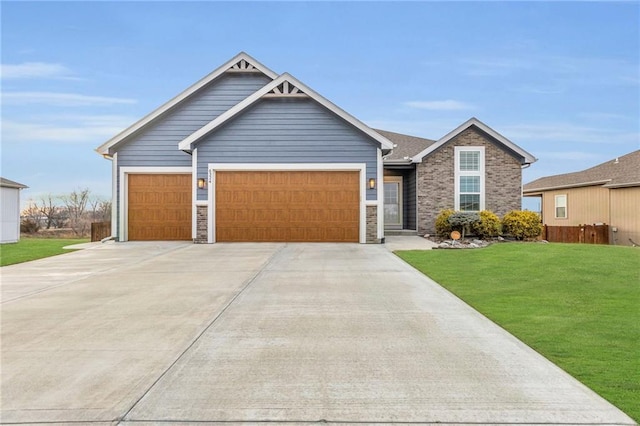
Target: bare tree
50,210
76,206
100,209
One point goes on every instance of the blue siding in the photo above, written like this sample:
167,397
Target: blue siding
281,130
157,143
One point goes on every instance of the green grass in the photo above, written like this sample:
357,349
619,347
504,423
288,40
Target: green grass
28,249
578,305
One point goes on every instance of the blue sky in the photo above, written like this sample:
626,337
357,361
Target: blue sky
560,79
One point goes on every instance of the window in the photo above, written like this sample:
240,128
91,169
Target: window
469,175
561,206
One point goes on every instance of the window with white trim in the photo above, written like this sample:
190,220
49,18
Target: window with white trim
469,178
561,206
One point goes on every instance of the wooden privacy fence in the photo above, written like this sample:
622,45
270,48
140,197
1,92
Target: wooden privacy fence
586,234
100,230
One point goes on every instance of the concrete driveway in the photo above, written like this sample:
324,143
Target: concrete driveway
172,332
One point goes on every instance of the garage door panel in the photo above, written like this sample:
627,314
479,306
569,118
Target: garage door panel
287,206
159,207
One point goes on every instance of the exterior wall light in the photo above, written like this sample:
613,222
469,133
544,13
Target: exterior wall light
202,183
372,183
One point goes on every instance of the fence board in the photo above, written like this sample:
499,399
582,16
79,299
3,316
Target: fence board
584,234
100,230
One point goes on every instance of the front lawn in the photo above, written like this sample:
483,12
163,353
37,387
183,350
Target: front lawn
578,305
34,248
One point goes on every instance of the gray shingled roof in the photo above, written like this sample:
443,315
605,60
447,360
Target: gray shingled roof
623,171
11,184
407,146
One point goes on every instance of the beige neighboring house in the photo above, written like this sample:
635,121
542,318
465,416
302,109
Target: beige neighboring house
10,210
607,193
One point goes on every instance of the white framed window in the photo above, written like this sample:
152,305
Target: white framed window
561,206
469,178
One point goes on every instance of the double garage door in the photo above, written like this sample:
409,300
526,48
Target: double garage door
261,206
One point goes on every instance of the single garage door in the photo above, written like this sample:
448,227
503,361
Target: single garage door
159,207
287,206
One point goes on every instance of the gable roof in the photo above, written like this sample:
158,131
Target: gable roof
526,158
6,183
405,146
239,63
284,85
621,172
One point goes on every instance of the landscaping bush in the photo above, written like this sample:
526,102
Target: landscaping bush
443,227
489,225
29,226
463,221
522,224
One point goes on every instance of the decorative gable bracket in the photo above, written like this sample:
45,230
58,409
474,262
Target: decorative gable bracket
285,90
243,66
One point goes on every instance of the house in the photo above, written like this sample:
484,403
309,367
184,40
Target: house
607,193
246,154
10,202
471,168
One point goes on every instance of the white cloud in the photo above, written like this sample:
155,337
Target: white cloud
570,155
566,132
429,129
34,70
561,71
491,67
61,99
65,129
446,105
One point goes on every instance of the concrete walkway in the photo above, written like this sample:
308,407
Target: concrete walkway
264,332
400,242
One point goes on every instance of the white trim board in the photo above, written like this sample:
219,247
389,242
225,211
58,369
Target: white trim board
194,193
114,195
359,167
528,158
104,148
457,173
124,190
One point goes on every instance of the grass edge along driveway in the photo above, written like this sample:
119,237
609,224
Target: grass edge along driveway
28,249
578,305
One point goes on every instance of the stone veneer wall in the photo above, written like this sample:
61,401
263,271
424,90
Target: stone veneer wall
372,225
201,225
436,179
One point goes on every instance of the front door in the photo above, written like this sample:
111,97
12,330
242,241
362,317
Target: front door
393,202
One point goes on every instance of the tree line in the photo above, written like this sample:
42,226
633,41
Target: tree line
74,211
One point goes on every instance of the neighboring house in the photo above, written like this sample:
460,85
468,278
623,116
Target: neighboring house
607,193
10,202
246,154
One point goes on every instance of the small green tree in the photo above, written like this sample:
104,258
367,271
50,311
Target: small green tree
463,221
522,224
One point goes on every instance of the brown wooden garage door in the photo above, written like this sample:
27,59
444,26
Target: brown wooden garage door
159,207
300,206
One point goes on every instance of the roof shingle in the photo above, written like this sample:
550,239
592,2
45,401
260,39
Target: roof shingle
407,146
622,171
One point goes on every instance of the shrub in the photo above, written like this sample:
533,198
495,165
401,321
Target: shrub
443,227
522,224
29,226
489,225
463,221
